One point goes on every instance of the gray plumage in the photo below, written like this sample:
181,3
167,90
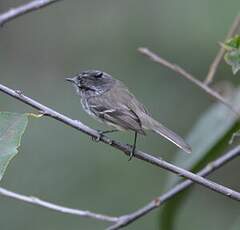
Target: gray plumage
110,101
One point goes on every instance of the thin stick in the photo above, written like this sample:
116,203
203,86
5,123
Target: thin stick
159,201
24,9
156,58
122,221
124,148
56,207
214,66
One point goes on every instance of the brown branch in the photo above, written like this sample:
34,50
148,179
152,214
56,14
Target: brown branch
159,201
156,58
214,66
24,9
124,148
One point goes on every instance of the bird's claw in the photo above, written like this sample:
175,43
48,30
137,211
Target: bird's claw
98,138
131,155
101,133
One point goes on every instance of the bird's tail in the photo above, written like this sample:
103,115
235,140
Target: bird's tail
167,133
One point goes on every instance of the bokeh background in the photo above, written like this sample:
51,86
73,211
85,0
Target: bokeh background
62,165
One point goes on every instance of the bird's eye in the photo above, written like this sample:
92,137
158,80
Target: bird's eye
98,74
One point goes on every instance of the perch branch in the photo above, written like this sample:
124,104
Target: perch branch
124,148
159,201
156,58
124,220
198,178
24,9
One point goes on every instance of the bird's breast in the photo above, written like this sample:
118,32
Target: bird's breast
86,107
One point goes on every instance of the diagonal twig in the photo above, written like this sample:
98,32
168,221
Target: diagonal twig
55,207
159,201
124,220
124,148
156,58
213,67
23,9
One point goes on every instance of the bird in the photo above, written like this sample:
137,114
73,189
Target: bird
109,101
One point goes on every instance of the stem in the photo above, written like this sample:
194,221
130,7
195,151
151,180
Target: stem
124,148
24,9
159,201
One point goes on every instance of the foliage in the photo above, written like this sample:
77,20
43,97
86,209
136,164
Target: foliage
12,127
208,138
232,56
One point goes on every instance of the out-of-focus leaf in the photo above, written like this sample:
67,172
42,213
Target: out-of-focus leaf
207,133
233,43
232,56
12,127
233,59
208,138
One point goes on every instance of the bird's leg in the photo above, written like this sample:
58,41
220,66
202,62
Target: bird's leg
133,147
101,133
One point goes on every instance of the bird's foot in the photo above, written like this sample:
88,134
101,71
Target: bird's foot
98,138
132,152
101,133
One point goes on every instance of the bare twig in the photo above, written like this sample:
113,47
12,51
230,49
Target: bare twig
159,201
213,67
156,58
21,10
127,219
122,221
55,207
124,148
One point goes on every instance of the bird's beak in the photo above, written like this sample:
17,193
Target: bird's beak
72,80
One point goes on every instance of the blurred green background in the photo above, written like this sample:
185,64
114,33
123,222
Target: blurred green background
62,165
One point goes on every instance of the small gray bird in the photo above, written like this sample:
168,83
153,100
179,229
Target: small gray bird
110,101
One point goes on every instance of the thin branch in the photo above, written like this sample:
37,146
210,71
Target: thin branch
124,148
122,221
24,9
159,201
156,58
125,220
214,66
55,207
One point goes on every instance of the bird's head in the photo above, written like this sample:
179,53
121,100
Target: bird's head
92,81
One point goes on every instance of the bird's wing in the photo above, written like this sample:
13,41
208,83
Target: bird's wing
112,110
127,98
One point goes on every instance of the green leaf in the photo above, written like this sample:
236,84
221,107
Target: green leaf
233,43
208,138
232,56
12,127
207,133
